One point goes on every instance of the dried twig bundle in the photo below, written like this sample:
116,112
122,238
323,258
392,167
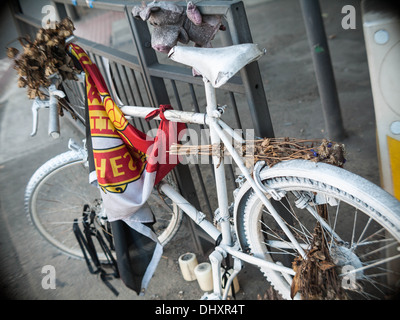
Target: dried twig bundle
43,57
316,276
274,150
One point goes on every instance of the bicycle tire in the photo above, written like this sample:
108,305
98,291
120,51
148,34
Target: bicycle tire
61,185
335,189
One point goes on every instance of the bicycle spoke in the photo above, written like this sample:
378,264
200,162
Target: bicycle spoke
378,250
299,234
354,229
334,225
364,231
294,215
372,265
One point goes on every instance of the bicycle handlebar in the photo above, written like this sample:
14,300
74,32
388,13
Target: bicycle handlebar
54,121
52,104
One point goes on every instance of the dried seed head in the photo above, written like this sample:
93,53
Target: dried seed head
12,52
43,57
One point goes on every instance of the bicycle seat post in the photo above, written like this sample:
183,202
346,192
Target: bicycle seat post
218,162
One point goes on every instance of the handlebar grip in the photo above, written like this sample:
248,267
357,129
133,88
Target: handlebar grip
54,121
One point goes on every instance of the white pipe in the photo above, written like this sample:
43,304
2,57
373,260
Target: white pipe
218,162
191,211
231,131
257,261
171,115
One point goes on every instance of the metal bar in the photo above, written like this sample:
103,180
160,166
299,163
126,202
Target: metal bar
60,9
252,81
176,94
157,94
257,261
185,75
146,56
124,82
206,7
114,55
103,69
235,111
119,86
196,166
130,95
139,96
323,68
100,4
218,163
19,16
191,211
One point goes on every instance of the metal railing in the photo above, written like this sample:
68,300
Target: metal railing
144,77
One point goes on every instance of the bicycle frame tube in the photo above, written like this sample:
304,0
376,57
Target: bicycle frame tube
259,193
217,135
214,233
218,162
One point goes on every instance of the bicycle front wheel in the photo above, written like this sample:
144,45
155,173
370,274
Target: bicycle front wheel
58,191
348,227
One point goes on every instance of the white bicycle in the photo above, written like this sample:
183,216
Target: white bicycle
298,220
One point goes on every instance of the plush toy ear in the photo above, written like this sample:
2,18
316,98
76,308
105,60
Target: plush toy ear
183,37
146,12
136,11
193,13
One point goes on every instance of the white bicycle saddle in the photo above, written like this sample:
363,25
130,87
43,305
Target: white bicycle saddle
217,65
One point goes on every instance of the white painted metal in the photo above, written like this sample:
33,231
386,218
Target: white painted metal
218,162
259,192
217,65
171,115
191,211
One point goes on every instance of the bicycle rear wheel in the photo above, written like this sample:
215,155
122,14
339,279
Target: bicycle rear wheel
345,224
58,191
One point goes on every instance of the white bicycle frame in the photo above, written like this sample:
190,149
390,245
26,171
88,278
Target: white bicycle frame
225,244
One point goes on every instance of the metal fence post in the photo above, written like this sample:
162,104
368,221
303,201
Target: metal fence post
251,76
156,87
323,68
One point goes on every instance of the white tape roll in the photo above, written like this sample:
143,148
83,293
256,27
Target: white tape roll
187,263
204,276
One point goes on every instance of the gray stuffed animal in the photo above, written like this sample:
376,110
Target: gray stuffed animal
172,24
